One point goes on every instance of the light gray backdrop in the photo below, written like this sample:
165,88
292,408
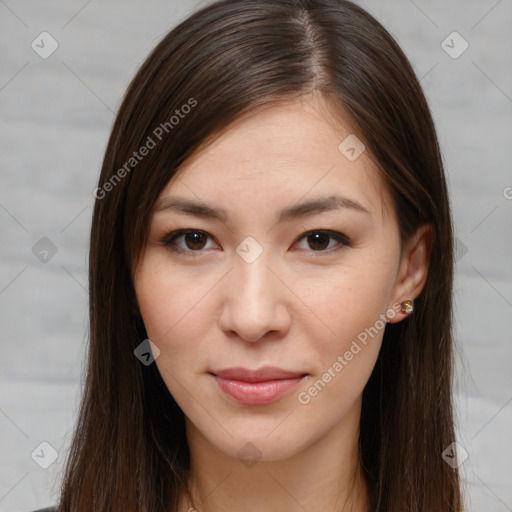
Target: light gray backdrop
56,113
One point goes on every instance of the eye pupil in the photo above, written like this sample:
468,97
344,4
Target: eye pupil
317,237
194,238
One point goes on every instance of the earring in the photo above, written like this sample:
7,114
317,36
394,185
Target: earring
407,306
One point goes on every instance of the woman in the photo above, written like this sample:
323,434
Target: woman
270,276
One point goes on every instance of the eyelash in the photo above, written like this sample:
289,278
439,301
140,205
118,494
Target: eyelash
168,240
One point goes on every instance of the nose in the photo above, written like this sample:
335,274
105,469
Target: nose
254,301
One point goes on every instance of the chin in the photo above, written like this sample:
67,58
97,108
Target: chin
266,444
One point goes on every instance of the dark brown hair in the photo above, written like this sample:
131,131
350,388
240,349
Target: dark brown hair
226,61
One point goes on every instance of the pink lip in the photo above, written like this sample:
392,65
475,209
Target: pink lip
261,386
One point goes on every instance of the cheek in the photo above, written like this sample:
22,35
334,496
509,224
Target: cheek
173,308
167,299
329,397
351,305
169,320
167,317
349,300
345,359
355,327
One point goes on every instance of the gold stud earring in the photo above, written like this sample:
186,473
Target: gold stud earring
407,306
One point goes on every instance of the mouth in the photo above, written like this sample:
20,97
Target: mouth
256,387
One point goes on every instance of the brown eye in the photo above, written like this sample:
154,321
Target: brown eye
194,241
318,241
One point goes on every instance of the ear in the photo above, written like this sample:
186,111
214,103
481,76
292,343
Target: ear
413,271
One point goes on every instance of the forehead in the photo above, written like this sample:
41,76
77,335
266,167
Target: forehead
280,155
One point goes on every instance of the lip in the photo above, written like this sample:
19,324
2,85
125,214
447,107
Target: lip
253,387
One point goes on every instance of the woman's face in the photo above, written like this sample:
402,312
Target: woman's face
297,270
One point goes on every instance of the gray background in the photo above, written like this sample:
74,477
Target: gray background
56,115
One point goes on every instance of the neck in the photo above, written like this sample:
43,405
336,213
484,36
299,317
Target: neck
324,476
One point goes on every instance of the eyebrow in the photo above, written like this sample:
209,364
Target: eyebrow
201,209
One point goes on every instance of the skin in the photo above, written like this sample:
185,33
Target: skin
298,306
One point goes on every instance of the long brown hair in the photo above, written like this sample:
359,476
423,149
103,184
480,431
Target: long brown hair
228,60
